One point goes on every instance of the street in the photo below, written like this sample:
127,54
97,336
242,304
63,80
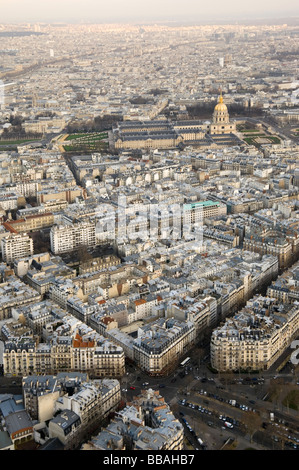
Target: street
212,393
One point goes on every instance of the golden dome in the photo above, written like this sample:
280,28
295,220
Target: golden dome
220,106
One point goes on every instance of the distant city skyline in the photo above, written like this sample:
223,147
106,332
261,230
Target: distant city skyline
69,11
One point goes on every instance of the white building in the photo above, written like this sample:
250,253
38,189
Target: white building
65,238
15,246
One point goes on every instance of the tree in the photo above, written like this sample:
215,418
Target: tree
252,422
83,255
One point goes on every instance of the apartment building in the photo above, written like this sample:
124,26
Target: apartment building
49,207
15,293
80,309
256,337
146,424
286,287
99,358
97,264
160,345
39,395
82,412
270,244
16,246
201,311
22,265
15,329
62,289
8,201
58,194
41,392
113,282
66,238
30,223
93,401
39,315
117,312
23,358
197,212
43,273
65,427
143,307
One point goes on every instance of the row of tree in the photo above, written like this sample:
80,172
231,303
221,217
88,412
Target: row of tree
99,123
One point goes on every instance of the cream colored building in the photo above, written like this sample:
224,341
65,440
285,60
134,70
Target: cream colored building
93,401
16,246
160,345
66,238
49,195
272,244
146,424
256,337
30,223
165,134
24,357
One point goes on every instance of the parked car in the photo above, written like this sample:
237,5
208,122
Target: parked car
228,425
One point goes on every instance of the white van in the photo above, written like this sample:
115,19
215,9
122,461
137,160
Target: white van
228,425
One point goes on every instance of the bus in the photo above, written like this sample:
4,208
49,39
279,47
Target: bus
185,362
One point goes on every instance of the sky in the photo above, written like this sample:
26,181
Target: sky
69,11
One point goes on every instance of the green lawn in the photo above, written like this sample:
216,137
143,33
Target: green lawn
86,142
270,138
89,136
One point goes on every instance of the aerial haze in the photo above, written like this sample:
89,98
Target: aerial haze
133,10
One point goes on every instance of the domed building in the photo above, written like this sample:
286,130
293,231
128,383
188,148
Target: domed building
163,134
221,123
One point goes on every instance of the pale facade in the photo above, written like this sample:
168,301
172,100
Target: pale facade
25,358
16,246
165,134
253,342
130,429
65,238
159,346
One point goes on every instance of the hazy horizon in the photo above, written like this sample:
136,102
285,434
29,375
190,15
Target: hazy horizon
98,11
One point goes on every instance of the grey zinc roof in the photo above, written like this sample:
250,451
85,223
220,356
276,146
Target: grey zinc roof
8,405
66,419
5,440
17,421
